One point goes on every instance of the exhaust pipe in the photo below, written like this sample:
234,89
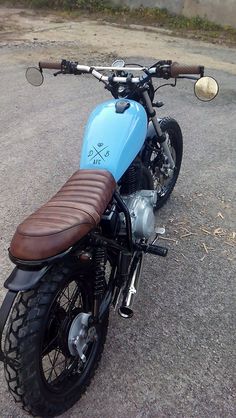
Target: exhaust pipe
126,310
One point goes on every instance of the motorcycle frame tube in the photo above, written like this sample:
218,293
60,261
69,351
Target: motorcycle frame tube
37,264
125,210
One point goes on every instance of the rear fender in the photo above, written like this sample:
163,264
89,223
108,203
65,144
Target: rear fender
21,280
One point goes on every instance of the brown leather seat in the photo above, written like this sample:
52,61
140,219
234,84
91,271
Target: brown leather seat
67,217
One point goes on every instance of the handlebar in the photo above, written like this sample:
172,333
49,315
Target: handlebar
50,65
163,69
176,69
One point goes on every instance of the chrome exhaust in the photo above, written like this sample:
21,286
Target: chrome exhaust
125,309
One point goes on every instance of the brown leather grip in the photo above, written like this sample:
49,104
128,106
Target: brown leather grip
176,69
50,65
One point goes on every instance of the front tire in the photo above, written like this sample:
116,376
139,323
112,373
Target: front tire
40,371
163,182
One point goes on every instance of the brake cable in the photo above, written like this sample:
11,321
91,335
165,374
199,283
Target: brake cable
166,84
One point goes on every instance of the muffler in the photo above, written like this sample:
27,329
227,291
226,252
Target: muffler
130,291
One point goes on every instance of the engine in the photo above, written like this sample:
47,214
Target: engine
141,205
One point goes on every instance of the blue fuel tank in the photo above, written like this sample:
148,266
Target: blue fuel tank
112,139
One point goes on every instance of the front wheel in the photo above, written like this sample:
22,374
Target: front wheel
164,179
41,371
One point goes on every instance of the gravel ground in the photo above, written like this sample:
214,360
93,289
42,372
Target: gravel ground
175,357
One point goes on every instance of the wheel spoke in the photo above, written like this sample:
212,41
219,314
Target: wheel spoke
66,300
56,364
52,369
50,345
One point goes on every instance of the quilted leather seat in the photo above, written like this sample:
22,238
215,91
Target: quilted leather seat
74,211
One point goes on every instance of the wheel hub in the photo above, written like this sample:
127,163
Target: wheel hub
80,335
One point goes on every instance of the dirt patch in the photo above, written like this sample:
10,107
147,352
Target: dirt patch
80,37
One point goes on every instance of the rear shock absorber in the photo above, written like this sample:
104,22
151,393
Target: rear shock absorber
99,283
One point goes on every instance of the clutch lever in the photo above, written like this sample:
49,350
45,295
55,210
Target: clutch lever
58,72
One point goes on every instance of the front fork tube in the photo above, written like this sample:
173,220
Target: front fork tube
161,136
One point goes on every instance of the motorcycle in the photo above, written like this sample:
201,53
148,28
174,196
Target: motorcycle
82,252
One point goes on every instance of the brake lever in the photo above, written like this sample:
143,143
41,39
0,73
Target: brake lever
58,72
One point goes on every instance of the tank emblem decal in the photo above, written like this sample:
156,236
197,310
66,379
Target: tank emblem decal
99,153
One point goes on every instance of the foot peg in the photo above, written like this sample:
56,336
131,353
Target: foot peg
157,250
154,249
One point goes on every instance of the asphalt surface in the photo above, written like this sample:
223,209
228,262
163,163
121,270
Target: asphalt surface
176,356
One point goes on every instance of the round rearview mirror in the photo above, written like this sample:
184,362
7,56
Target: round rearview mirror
206,88
118,63
34,76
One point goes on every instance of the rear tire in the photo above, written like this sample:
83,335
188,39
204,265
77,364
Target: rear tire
38,326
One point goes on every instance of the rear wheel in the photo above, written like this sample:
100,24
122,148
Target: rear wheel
40,370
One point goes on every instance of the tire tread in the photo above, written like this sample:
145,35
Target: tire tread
20,342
